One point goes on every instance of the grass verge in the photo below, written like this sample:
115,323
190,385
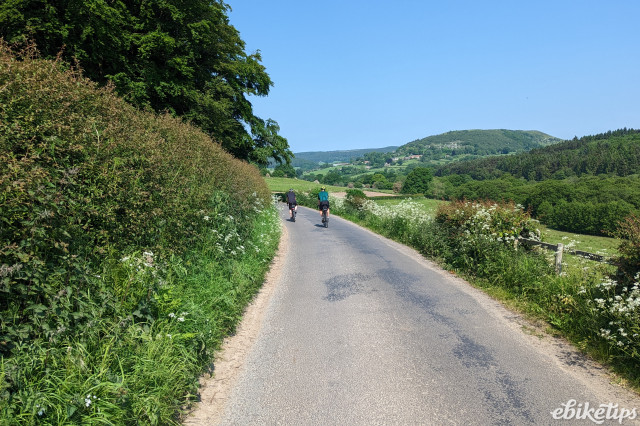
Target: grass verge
128,370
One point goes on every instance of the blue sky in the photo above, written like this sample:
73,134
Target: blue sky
355,74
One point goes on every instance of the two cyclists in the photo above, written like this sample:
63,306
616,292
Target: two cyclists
323,201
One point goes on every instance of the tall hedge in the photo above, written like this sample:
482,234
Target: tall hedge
83,177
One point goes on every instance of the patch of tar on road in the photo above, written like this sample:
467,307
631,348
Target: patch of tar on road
508,402
342,286
472,354
404,286
402,283
500,389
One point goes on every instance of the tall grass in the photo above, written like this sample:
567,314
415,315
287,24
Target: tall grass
123,370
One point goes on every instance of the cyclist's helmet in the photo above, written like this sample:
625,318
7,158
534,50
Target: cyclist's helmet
323,188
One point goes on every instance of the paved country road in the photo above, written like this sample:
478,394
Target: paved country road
361,330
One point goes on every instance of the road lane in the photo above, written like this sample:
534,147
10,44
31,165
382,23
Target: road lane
361,330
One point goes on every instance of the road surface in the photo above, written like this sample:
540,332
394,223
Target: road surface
363,331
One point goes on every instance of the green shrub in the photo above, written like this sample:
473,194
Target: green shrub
628,262
355,198
588,218
501,222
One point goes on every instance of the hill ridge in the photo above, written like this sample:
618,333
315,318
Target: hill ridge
471,142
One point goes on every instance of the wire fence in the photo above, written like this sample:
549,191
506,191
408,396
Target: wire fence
559,249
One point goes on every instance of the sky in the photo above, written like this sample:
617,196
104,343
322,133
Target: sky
355,74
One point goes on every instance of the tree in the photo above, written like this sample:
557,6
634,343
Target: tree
284,170
183,57
332,178
418,181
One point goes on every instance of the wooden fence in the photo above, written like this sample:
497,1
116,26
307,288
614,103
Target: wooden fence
559,249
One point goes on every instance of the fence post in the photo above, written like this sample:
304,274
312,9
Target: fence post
559,258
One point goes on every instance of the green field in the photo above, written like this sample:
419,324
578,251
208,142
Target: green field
276,184
591,243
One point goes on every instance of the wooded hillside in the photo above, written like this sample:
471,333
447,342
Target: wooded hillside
585,185
478,142
614,153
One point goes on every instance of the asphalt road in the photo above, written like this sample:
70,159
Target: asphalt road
361,330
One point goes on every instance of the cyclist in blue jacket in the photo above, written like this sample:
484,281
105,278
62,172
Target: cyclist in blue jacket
323,199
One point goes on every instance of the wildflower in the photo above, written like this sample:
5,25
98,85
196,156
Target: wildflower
172,315
181,319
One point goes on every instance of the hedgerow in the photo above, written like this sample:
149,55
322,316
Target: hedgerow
104,213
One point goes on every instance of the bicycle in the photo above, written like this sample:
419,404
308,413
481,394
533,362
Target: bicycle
325,219
293,210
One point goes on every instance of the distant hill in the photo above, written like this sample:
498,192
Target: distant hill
301,158
615,153
480,143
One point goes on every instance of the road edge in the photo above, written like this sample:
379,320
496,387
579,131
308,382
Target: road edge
230,359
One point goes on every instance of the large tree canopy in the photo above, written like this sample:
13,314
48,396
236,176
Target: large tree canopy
180,56
418,181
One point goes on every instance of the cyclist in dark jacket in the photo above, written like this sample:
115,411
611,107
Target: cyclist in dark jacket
293,204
